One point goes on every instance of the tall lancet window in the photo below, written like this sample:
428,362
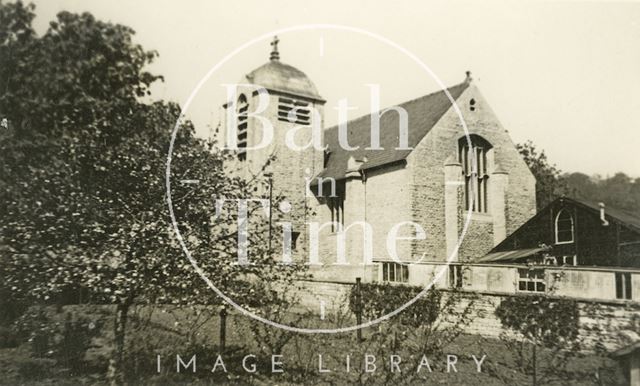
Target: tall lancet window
242,108
473,158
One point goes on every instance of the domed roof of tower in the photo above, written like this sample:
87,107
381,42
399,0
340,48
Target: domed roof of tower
277,76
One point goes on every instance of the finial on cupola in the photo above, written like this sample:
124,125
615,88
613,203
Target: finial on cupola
275,55
468,79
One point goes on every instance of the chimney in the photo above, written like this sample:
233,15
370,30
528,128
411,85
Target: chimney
602,217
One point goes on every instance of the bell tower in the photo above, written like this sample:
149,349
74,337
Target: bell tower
291,105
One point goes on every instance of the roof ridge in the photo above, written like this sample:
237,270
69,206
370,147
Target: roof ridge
594,205
424,112
463,83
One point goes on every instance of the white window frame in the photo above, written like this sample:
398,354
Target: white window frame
530,279
570,260
573,229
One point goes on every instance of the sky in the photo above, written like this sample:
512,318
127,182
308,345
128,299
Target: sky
564,75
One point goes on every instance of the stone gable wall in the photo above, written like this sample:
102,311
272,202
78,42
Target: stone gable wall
427,184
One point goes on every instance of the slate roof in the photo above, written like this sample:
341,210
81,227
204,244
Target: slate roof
423,112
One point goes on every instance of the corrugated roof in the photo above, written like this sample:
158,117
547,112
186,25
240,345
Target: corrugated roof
423,112
511,255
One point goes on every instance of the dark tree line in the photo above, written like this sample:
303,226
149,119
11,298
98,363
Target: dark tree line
619,190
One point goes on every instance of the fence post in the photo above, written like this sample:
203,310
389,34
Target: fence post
358,309
223,327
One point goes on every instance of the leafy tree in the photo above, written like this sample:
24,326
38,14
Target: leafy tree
548,335
428,327
82,163
82,74
549,184
619,190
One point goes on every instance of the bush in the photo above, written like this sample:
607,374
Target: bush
145,344
76,337
548,321
67,341
36,368
11,307
36,328
8,338
377,300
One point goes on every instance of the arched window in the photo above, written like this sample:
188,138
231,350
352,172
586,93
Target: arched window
564,227
242,108
474,169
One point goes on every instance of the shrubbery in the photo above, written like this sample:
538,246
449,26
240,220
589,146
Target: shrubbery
378,300
67,341
8,338
36,368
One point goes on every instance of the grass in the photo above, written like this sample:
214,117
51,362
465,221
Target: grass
170,331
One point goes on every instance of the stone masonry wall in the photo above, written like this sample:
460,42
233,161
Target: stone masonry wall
599,321
426,164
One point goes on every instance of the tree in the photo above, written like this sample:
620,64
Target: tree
549,184
428,327
548,335
83,165
619,190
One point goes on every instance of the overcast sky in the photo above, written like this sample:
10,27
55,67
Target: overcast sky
564,75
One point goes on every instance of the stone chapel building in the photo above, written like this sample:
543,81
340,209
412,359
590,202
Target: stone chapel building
431,184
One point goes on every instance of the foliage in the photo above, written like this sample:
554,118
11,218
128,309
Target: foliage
272,340
549,185
83,165
36,368
8,337
619,190
67,341
81,74
11,307
542,322
540,318
427,327
378,300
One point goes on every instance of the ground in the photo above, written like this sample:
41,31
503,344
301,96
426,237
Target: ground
170,331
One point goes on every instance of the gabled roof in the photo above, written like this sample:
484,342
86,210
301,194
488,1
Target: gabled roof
423,112
623,217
